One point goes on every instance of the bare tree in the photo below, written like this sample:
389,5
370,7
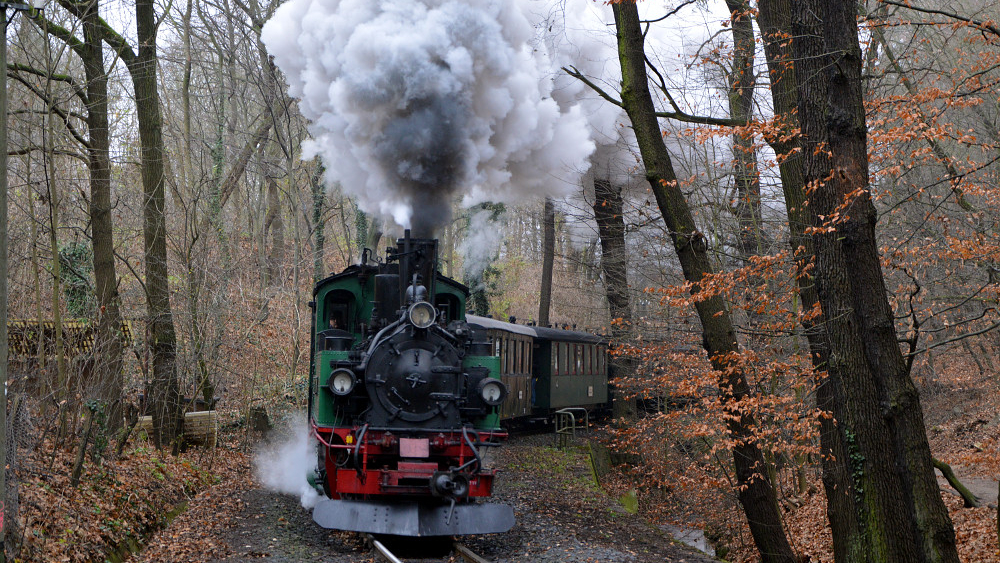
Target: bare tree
756,494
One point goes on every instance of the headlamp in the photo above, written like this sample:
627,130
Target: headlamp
421,314
341,382
492,391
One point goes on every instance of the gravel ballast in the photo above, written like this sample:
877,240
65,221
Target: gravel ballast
561,514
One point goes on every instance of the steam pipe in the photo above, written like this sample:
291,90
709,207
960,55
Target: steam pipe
478,461
357,449
371,347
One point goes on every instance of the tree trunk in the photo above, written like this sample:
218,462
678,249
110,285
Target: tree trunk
548,252
899,507
164,393
756,494
746,178
275,224
374,234
108,340
775,20
53,198
35,275
448,251
319,226
608,206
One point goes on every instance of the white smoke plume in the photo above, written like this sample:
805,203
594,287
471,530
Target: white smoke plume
282,464
580,34
414,102
481,244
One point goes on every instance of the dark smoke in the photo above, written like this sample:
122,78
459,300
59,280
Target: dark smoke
421,150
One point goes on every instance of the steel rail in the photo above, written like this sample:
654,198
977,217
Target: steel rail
468,554
460,550
383,550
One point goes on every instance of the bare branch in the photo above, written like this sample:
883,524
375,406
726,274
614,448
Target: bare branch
63,114
984,26
678,115
80,93
671,12
63,152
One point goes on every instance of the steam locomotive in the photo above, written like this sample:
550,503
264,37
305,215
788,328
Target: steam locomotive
406,392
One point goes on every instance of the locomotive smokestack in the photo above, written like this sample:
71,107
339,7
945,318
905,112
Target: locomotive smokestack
417,261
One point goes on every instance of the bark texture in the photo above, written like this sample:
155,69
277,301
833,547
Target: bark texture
746,178
548,256
756,494
898,504
164,394
608,207
319,226
775,22
108,340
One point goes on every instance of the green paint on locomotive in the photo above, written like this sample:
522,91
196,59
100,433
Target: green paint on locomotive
340,298
492,363
345,301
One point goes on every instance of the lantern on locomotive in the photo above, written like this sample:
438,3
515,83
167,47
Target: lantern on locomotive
403,397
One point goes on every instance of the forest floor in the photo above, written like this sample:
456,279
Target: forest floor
223,514
961,405
562,516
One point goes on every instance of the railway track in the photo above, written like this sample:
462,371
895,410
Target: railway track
457,548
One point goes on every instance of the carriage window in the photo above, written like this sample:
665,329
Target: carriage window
554,354
588,359
562,359
601,361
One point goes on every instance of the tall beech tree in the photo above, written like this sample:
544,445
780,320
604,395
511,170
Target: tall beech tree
164,391
746,177
609,215
108,338
901,516
109,320
775,21
756,493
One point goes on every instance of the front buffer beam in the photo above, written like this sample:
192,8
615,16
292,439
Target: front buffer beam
410,518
